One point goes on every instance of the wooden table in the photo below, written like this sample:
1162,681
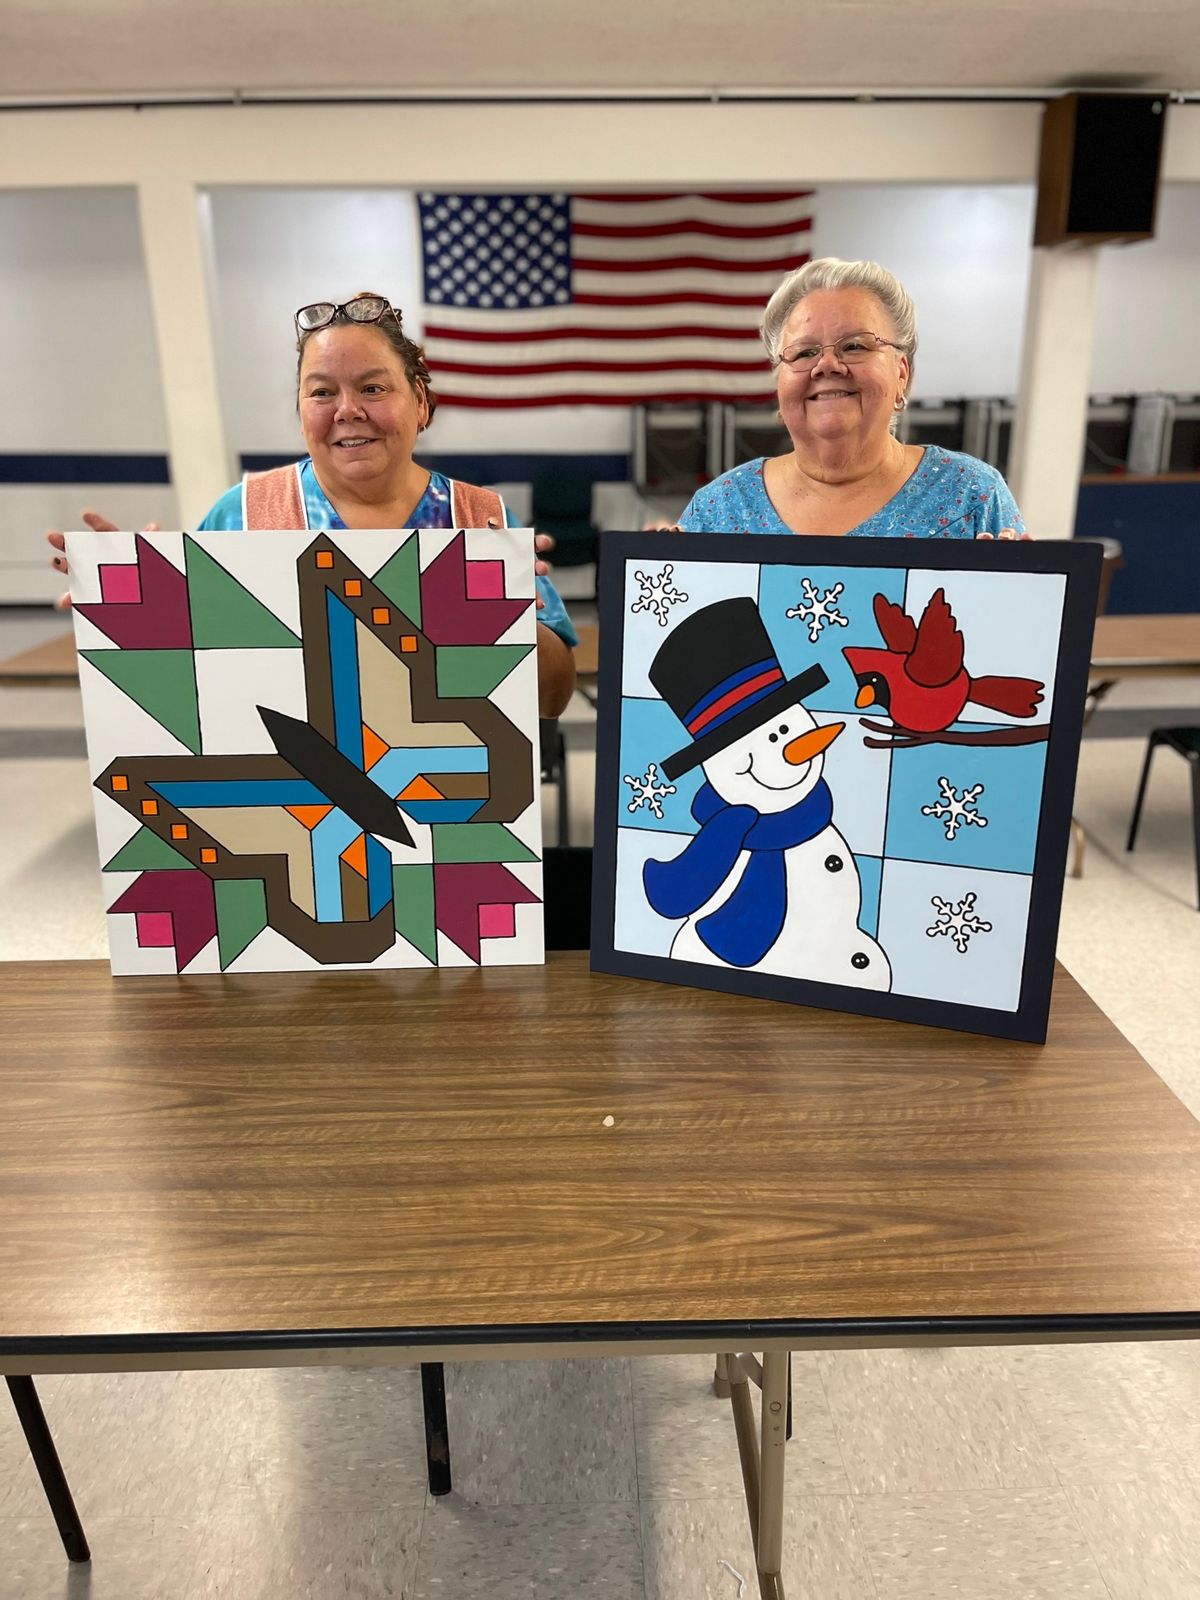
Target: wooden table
417,1166
1139,647
46,665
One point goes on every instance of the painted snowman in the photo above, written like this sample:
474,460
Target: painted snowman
768,884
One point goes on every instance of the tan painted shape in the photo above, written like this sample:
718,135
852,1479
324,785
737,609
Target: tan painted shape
265,830
387,701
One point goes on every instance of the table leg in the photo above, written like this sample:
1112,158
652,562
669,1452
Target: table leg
774,1442
45,1459
437,1427
762,1466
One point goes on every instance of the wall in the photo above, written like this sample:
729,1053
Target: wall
940,192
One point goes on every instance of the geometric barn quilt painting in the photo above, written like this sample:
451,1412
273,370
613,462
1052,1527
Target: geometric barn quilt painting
312,750
840,771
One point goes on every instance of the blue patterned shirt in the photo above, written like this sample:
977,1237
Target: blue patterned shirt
432,510
949,496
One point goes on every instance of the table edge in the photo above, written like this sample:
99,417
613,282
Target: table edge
714,1333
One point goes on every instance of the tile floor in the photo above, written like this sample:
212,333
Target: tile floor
1055,1473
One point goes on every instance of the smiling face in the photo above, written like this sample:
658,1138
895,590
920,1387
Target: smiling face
828,401
775,766
359,412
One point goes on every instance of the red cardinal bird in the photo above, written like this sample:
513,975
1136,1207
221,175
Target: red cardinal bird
920,680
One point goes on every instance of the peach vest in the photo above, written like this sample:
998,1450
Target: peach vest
275,499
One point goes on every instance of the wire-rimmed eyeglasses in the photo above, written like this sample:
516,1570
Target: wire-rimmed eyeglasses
848,350
362,308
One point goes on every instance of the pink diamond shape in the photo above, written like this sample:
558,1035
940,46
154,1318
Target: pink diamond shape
121,586
485,580
497,922
155,929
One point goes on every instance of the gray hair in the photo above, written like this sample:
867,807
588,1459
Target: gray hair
830,273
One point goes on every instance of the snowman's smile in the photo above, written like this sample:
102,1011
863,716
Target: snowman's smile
797,779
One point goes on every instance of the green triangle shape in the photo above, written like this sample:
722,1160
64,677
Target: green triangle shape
412,889
146,852
400,579
477,841
241,915
225,615
475,669
162,682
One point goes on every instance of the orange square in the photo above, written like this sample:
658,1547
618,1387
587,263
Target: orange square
381,614
408,643
179,830
324,558
120,785
149,808
208,854
352,588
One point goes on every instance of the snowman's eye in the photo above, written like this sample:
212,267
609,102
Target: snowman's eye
773,737
783,727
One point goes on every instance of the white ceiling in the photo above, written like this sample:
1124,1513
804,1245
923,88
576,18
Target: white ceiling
68,49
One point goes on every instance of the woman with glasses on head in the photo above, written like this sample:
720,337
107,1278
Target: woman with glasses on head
842,336
364,396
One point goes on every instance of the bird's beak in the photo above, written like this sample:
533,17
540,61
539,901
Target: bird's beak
865,696
808,745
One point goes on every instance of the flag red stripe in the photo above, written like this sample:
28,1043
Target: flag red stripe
675,397
537,369
671,297
716,230
582,331
740,197
688,264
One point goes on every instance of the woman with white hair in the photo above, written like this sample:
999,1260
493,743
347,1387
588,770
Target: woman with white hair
842,337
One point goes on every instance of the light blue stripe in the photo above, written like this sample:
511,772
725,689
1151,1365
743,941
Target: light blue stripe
396,770
329,838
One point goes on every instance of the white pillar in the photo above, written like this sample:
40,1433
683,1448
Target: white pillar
1046,458
177,269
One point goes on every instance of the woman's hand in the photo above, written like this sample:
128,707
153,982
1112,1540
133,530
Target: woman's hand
1005,533
543,543
661,526
58,542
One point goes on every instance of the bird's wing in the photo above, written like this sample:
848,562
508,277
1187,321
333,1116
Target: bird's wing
937,655
898,629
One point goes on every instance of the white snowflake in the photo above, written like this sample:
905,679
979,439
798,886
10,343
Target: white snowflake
819,610
657,593
955,809
647,791
957,922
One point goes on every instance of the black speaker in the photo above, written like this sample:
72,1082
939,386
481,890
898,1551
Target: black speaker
1098,174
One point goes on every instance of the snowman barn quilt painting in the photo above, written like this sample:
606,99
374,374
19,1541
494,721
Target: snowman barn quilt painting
312,750
839,772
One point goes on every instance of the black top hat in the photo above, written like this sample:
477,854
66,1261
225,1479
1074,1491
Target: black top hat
719,673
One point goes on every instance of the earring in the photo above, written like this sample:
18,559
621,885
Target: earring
900,404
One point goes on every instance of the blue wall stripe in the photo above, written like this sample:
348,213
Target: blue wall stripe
46,468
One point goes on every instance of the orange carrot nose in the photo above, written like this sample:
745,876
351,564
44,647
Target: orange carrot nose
808,745
865,696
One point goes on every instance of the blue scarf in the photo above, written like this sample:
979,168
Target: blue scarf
742,930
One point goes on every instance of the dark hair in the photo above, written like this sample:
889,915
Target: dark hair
412,356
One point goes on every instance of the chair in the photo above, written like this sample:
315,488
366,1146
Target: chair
1186,741
1112,562
562,506
554,770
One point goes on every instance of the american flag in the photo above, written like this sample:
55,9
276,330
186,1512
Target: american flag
604,299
